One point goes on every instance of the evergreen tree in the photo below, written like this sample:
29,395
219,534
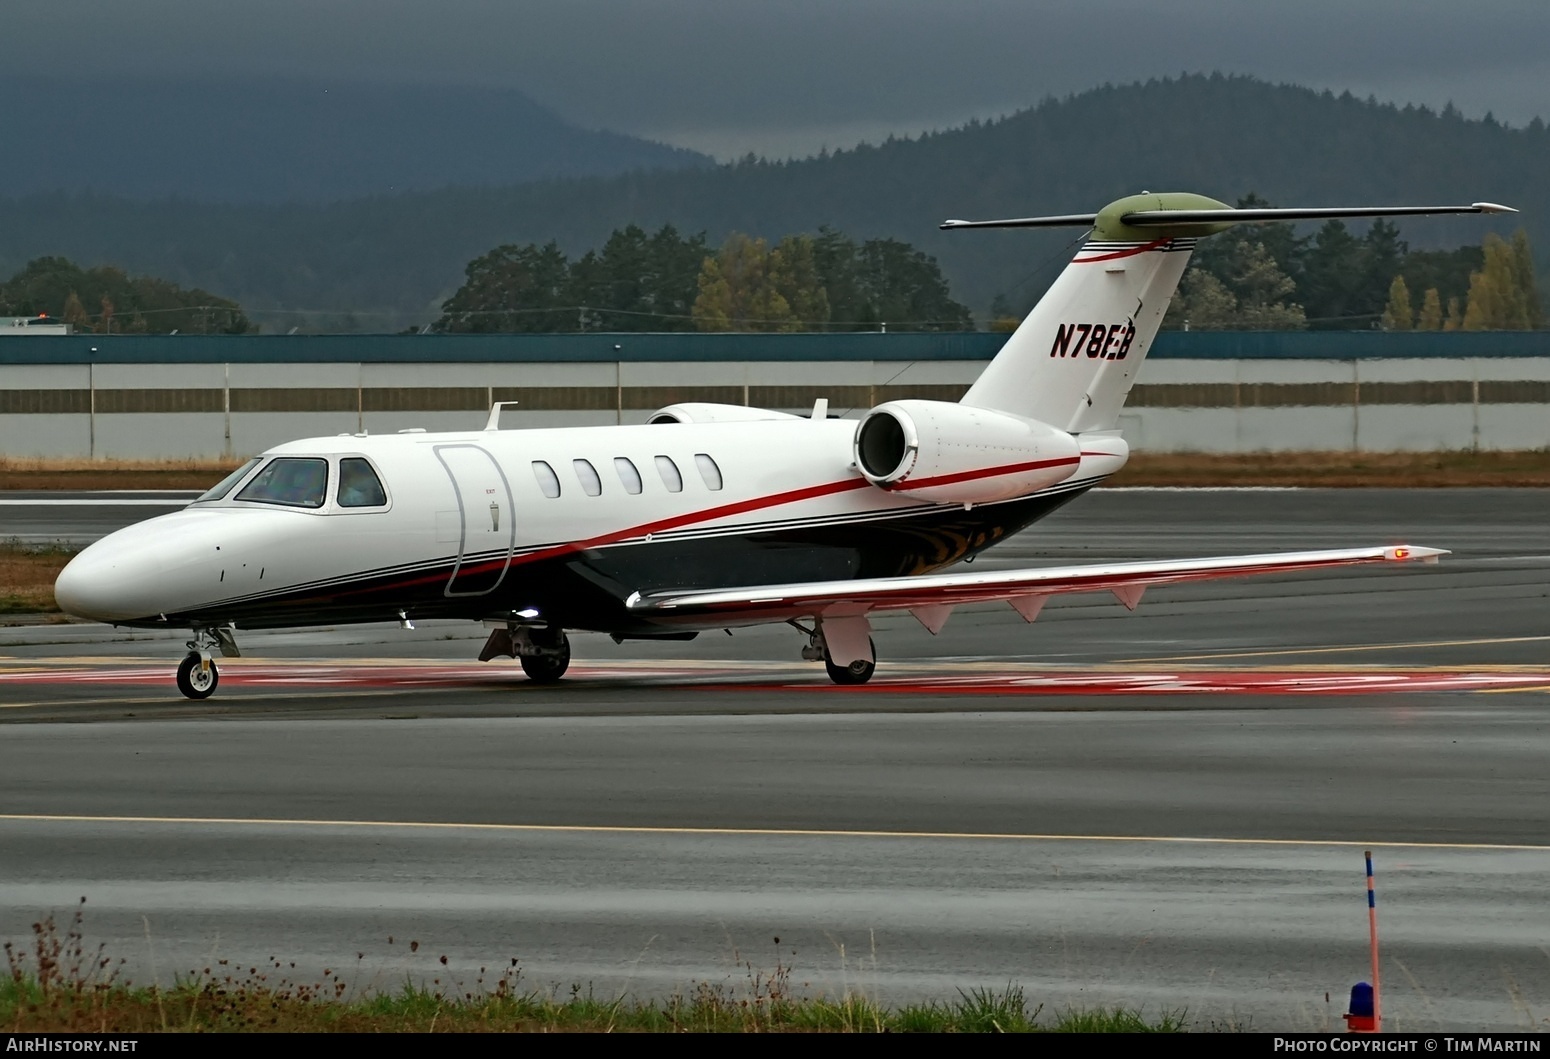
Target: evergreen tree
1397,315
512,289
885,281
639,282
59,287
1252,296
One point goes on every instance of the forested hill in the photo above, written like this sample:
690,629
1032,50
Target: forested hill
273,140
390,259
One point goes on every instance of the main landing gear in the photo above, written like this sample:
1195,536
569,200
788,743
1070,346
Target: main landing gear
543,651
197,676
846,634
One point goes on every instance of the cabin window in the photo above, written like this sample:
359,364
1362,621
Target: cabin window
548,481
292,481
670,476
708,470
586,474
359,485
227,484
629,477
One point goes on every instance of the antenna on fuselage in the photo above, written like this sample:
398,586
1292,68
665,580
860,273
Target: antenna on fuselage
494,422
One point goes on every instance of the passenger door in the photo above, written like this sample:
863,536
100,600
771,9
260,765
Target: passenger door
488,525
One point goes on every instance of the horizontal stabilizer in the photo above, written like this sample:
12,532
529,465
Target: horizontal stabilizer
1069,220
931,595
1227,215
1151,218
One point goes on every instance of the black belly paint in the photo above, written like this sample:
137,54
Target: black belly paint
586,589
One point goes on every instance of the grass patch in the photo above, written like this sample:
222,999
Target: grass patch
1339,469
27,574
74,474
59,985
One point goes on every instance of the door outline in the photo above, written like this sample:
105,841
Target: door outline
463,515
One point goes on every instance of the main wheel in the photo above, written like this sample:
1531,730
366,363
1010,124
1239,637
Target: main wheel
195,680
858,672
550,666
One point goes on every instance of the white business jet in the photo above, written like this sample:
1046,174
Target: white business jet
710,516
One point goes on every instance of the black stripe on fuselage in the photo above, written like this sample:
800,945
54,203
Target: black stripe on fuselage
585,589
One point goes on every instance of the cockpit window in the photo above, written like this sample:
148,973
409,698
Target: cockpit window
225,485
359,485
293,481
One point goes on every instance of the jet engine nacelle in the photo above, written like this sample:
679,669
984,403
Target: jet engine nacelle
955,454
706,412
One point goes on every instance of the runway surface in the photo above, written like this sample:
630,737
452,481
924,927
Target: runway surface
1165,808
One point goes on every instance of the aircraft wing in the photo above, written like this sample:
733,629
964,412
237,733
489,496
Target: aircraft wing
931,597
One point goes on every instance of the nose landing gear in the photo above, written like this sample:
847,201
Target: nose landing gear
197,675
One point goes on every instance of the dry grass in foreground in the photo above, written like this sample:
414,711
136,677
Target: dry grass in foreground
1184,469
61,986
27,576
29,473
1392,470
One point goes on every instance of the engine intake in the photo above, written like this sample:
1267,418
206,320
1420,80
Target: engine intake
952,453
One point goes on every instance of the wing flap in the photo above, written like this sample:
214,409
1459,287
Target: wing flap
932,595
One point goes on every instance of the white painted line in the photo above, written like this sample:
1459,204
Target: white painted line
758,832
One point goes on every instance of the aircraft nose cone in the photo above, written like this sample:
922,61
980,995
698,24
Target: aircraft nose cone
73,589
99,588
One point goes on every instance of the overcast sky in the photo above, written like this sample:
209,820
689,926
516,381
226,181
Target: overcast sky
781,77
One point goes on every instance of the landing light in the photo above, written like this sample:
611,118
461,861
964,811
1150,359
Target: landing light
530,612
1401,553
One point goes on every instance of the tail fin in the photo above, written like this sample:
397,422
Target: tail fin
1073,360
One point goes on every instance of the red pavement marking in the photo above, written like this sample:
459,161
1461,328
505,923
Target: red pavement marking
1016,681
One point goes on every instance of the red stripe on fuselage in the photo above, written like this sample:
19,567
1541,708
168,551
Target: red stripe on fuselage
986,472
1155,244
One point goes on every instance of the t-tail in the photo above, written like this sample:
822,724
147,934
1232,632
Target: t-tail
1071,363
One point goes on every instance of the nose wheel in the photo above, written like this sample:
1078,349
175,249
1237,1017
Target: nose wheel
197,676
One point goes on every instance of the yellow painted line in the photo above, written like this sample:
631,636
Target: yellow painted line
1521,687
1337,649
755,832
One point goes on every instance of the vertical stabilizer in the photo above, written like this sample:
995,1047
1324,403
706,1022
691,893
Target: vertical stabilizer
1073,360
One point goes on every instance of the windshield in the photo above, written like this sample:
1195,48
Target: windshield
224,486
295,482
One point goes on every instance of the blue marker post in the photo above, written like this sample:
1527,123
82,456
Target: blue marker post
1366,1015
